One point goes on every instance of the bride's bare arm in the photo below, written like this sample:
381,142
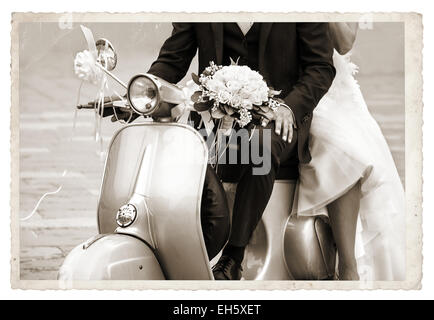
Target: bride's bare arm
343,35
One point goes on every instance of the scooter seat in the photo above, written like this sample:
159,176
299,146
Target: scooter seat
288,171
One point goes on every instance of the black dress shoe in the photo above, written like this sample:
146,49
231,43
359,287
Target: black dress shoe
227,269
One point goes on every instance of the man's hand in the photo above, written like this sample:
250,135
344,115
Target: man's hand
284,121
124,113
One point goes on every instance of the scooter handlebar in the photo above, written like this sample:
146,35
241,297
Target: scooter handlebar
110,103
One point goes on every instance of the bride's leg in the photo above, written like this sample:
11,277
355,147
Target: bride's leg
343,214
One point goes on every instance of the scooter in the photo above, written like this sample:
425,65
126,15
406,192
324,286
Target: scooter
149,206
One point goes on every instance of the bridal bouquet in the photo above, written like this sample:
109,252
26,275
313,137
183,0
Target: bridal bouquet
233,91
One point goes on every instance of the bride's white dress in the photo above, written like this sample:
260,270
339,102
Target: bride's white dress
347,145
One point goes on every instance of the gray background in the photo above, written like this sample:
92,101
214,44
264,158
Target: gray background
48,94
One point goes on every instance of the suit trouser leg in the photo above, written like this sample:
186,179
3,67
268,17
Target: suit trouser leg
215,217
254,191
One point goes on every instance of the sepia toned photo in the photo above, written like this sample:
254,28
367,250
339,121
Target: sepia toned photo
218,151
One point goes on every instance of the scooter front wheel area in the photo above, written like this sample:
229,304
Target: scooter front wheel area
111,257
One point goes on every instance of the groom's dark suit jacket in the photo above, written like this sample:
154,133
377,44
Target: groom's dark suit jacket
293,57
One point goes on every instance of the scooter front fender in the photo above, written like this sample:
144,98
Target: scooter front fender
111,257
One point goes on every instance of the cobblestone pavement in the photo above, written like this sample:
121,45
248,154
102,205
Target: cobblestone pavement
67,218
63,220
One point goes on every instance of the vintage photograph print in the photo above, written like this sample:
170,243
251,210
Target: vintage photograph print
218,151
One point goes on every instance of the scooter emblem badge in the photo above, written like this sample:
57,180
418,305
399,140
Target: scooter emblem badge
126,215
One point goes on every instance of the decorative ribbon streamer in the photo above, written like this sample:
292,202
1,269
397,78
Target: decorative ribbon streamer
85,68
182,111
42,198
207,121
90,40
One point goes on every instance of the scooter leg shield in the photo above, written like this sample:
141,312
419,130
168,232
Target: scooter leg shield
111,257
309,248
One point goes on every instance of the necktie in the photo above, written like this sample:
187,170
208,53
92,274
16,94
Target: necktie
245,26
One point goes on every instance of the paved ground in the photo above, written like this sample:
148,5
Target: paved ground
63,220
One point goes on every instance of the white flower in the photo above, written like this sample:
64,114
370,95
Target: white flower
258,98
246,104
85,67
213,85
236,101
233,85
245,118
245,93
224,96
255,76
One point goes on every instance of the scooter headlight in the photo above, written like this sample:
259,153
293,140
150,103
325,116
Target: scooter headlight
143,94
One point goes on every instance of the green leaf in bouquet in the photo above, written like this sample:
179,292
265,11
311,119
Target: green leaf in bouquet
272,92
229,110
234,63
195,78
264,108
217,113
197,97
256,115
203,106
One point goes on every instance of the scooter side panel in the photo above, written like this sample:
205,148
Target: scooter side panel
310,251
176,158
111,257
264,256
